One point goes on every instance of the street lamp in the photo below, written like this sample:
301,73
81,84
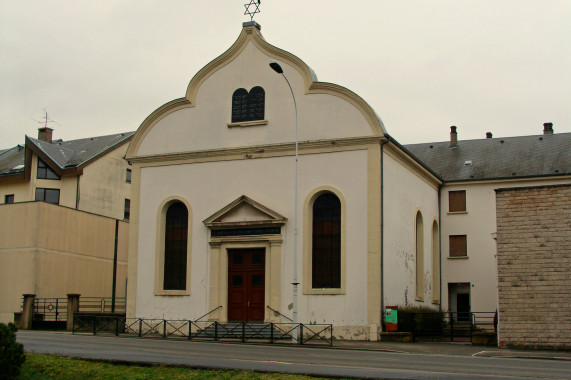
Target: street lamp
278,69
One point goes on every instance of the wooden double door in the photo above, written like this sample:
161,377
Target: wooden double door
246,284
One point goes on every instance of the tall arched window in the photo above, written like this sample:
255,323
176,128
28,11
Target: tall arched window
326,242
176,238
435,263
248,106
419,241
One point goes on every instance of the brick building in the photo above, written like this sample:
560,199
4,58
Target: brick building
534,266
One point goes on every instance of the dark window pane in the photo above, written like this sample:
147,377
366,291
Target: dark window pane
237,280
52,196
9,198
175,247
127,211
257,280
45,172
237,259
257,258
128,175
326,242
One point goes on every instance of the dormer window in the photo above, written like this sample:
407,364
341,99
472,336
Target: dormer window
45,172
248,106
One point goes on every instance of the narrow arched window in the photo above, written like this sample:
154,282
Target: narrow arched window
435,263
176,238
326,242
419,247
248,106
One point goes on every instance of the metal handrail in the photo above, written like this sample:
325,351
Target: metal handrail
275,311
211,311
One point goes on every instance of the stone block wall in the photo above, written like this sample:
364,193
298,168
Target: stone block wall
534,266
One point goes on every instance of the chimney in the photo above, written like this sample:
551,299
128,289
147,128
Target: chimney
547,128
453,137
488,135
45,134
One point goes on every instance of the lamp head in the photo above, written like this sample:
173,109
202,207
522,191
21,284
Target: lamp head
276,67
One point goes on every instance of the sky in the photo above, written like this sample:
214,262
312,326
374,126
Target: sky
100,67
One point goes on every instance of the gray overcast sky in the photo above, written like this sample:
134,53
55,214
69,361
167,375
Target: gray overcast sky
100,67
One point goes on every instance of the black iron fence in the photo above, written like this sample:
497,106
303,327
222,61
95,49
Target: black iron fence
50,309
447,325
321,334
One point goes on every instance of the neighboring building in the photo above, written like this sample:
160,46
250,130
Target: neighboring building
76,244
534,265
87,174
213,202
472,170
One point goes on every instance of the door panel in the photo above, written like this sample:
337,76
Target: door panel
246,284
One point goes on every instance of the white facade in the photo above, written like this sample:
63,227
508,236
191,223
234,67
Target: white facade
241,175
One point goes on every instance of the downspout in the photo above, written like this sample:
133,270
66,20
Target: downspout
383,234
440,246
114,288
77,194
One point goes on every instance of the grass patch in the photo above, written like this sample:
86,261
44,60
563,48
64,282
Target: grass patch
52,367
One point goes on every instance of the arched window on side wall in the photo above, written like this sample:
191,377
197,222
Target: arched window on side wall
176,239
419,242
435,263
326,242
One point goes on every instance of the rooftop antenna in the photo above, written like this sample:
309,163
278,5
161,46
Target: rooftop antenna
45,120
251,13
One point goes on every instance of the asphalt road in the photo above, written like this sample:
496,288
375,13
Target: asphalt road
293,359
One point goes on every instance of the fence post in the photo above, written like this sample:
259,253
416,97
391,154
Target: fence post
243,332
94,324
27,312
300,333
164,328
72,308
452,327
271,332
140,327
215,330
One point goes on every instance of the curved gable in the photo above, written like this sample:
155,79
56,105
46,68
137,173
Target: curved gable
202,119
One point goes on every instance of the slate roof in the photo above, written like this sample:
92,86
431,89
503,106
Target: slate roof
65,154
497,158
11,160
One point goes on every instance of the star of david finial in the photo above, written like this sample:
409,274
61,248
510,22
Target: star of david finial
251,13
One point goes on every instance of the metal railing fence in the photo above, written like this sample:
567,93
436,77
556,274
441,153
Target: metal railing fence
447,325
300,333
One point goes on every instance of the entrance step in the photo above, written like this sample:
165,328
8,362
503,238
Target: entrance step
247,331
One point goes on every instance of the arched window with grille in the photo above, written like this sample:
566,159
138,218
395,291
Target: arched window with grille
248,106
176,242
326,242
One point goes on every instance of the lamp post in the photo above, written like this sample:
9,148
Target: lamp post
278,69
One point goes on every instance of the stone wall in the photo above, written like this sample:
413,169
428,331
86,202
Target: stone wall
534,266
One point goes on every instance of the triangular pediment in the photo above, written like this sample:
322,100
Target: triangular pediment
244,211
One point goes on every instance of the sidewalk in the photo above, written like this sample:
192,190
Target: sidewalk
450,348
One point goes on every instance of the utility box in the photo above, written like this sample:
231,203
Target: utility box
391,318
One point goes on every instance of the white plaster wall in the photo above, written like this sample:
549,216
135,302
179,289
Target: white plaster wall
478,223
210,186
405,193
204,126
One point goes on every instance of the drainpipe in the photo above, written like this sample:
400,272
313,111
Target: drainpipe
440,245
114,289
77,194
